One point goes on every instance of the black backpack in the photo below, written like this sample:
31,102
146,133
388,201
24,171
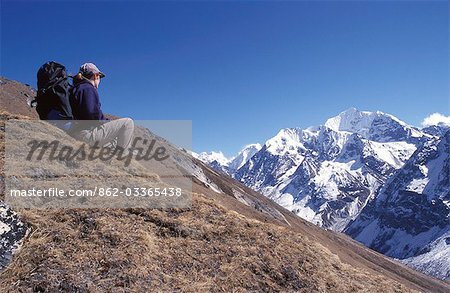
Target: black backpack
52,100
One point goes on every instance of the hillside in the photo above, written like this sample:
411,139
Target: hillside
232,239
11,92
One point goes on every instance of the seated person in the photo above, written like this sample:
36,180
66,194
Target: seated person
85,104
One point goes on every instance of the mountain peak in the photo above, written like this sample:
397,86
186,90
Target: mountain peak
351,120
227,165
252,145
363,122
210,157
244,155
286,140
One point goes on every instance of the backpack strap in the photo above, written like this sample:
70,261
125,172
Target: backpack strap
53,84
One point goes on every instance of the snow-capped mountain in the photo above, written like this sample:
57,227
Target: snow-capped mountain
218,161
375,126
210,157
327,174
410,218
243,156
369,174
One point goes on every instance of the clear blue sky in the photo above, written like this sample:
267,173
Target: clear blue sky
241,70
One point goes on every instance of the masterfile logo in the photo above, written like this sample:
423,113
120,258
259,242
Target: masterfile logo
48,167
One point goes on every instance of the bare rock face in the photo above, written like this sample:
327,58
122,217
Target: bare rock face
12,233
15,98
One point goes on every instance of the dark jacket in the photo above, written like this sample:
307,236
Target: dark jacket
85,102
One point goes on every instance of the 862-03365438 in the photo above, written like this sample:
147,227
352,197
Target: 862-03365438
99,191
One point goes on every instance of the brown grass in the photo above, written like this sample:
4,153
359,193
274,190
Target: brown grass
206,248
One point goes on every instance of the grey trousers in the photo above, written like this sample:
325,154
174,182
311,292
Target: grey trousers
120,129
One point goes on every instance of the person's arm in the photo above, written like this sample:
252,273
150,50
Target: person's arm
89,105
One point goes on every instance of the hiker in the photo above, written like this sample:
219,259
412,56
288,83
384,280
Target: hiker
85,104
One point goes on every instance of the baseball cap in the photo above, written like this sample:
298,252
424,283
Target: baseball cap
87,69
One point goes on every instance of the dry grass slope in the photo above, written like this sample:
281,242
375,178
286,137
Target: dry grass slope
206,248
